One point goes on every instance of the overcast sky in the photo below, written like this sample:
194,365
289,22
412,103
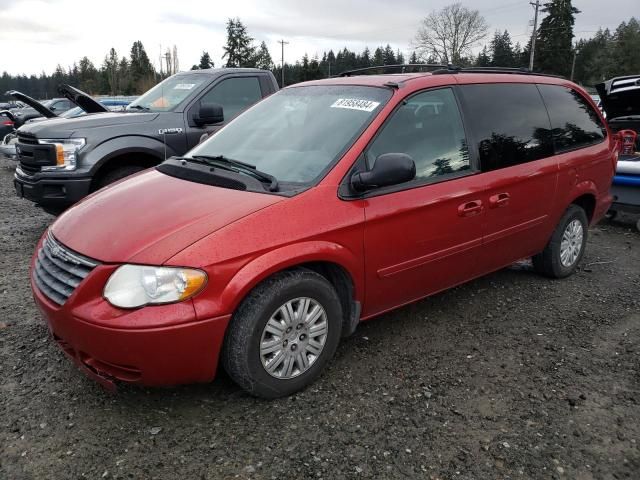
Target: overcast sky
36,35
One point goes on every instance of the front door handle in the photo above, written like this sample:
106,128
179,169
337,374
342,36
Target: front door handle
470,209
499,200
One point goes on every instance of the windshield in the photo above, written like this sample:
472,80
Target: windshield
168,94
74,112
297,134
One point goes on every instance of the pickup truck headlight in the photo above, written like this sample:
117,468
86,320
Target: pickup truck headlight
132,286
66,152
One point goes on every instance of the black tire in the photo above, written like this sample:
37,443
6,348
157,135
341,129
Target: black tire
117,174
241,351
548,261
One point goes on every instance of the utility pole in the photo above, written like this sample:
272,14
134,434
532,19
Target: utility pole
573,65
534,35
283,43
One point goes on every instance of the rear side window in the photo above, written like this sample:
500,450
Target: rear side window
234,94
509,123
428,128
575,123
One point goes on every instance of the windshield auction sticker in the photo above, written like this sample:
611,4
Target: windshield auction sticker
184,86
355,104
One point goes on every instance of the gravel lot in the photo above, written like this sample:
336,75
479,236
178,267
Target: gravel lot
510,376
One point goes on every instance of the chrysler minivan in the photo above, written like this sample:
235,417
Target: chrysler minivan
323,206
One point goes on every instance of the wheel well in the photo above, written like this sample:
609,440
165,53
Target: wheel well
341,280
588,203
139,159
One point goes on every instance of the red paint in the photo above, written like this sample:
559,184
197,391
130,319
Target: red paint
397,247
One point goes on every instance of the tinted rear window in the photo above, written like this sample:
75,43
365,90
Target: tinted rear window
509,123
575,123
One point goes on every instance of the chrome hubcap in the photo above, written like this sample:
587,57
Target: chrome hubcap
293,338
571,244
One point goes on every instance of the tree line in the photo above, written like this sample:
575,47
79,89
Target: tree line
449,35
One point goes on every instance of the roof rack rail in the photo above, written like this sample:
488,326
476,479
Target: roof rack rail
402,67
511,70
437,69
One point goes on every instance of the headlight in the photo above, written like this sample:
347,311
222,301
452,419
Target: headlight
66,152
132,286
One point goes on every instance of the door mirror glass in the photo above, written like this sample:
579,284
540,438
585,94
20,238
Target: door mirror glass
389,169
209,114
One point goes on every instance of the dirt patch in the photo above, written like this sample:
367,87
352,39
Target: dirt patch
509,376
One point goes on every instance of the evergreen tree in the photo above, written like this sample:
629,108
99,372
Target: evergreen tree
205,61
554,47
388,57
378,57
140,69
413,58
239,50
483,60
262,58
502,50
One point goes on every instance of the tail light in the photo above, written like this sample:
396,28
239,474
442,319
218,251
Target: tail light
7,123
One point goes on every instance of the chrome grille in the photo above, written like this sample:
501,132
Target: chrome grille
58,270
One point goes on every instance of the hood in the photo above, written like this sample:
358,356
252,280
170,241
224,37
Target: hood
151,217
81,99
620,96
36,105
64,127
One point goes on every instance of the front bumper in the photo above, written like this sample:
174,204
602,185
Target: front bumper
183,350
53,192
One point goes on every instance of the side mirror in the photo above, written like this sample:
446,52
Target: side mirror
389,169
53,109
209,114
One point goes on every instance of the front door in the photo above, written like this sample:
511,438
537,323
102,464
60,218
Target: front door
235,94
423,236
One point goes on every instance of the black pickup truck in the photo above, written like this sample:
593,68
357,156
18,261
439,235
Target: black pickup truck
62,161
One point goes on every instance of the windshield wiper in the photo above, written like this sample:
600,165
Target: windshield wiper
239,167
139,107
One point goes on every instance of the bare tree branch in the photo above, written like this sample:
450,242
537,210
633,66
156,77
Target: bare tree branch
449,34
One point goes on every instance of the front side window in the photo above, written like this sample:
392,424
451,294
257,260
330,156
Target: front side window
428,128
234,94
298,133
169,93
509,122
575,123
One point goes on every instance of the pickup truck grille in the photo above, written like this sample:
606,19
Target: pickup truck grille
59,270
31,155
28,139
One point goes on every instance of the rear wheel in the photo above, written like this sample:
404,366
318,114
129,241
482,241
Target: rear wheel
283,334
565,249
118,174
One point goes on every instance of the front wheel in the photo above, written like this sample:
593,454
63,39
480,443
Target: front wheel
565,249
283,334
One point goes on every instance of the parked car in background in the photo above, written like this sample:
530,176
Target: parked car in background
7,123
621,102
326,204
11,105
109,104
97,150
8,141
35,108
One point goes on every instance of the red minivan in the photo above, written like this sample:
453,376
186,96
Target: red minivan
326,204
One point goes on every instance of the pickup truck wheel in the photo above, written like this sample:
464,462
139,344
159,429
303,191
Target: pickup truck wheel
283,334
118,174
565,249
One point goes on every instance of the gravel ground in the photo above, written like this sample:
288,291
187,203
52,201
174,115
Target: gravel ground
510,376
